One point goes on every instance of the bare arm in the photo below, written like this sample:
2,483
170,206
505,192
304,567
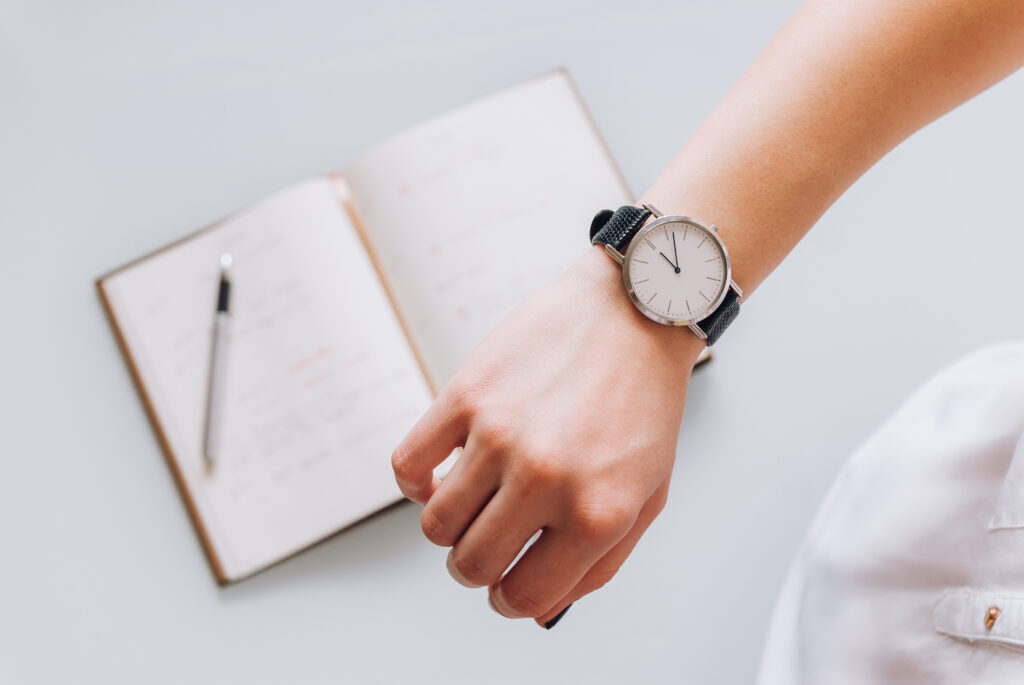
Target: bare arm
840,85
578,440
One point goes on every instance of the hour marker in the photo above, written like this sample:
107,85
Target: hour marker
711,260
639,260
639,282
685,230
669,310
712,278
651,298
688,310
702,242
704,296
650,244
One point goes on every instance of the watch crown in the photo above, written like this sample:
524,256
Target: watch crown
714,228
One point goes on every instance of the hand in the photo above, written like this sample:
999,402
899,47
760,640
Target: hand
568,415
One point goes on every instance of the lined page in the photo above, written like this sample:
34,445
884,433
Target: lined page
321,383
472,211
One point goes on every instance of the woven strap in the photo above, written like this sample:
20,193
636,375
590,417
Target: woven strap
617,228
715,323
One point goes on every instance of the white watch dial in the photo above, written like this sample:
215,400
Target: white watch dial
676,270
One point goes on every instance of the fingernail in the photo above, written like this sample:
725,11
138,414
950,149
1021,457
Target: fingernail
558,617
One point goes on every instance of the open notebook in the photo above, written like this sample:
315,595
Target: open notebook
355,296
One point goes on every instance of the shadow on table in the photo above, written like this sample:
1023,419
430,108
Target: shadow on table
375,546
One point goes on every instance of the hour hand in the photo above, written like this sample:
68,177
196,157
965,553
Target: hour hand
674,267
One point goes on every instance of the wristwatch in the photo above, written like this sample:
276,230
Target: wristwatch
675,269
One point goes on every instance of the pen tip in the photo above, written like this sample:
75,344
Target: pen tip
225,261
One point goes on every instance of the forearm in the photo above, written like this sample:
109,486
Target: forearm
839,86
568,413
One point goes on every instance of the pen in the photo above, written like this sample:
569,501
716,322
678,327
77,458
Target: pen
215,380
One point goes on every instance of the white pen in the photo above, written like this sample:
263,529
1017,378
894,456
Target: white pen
215,380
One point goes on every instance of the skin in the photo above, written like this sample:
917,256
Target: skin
578,441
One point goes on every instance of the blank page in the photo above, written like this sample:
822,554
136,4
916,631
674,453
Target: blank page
321,382
474,210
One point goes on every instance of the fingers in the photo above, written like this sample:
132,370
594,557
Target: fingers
607,566
556,562
461,496
494,539
438,432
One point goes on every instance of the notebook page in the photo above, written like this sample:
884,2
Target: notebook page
474,210
321,383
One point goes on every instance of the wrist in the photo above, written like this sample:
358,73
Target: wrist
601,277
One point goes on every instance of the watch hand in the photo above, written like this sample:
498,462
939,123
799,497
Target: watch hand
676,268
675,253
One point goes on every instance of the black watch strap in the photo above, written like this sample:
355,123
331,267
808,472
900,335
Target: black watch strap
715,323
617,228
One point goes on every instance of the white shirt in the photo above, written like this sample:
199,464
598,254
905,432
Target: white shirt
913,571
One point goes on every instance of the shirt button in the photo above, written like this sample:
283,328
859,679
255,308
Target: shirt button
990,617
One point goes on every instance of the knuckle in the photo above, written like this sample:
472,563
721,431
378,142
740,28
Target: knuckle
521,602
544,470
469,570
659,500
600,577
599,523
434,529
459,398
493,432
541,465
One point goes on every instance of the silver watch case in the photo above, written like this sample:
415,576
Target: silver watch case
625,260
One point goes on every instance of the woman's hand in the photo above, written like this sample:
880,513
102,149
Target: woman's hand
569,414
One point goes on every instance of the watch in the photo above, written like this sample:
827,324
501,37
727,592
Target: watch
675,269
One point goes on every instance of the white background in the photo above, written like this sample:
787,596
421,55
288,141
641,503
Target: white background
126,125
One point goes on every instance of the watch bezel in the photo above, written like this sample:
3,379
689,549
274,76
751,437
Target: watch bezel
627,260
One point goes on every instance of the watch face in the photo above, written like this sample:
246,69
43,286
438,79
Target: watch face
676,270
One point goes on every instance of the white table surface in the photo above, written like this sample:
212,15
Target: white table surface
126,125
